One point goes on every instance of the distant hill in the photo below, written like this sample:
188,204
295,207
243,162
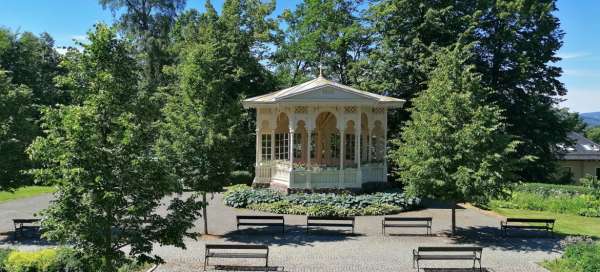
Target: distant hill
591,118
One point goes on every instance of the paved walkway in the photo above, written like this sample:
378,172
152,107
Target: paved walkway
368,250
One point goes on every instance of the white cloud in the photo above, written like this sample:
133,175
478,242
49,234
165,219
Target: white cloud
573,55
61,50
582,100
80,38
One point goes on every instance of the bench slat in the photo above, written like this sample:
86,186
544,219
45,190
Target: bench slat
259,224
260,217
329,225
405,225
350,218
237,255
447,257
531,220
449,249
407,219
235,246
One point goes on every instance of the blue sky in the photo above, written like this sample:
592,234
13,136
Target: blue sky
67,20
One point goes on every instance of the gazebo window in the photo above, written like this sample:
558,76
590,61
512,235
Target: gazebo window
350,147
266,147
282,141
297,145
335,146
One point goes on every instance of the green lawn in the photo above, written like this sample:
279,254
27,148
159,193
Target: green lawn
25,192
565,223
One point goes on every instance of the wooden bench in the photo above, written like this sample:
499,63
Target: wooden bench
406,222
261,220
22,224
547,224
327,221
234,251
448,254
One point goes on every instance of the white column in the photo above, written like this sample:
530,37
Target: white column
385,131
357,154
341,175
291,148
309,132
272,144
258,147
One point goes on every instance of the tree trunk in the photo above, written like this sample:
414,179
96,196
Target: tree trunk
453,218
204,213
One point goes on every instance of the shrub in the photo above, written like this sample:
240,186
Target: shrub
4,252
545,189
241,197
62,259
318,204
240,177
32,261
581,257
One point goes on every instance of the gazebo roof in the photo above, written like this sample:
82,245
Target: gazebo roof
322,90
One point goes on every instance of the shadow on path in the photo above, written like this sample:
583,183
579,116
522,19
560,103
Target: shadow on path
294,235
244,268
457,269
29,238
491,237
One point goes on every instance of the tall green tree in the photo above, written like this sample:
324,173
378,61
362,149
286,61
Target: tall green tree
205,132
330,33
148,23
593,134
515,46
456,147
234,42
17,130
99,151
32,61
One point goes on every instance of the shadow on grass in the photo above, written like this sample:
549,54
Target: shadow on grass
521,240
294,235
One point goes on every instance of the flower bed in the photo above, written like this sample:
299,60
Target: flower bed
318,204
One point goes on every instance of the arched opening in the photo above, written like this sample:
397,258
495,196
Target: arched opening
282,137
350,145
300,144
364,138
265,141
327,139
378,139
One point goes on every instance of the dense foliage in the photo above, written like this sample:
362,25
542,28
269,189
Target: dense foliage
318,204
593,134
581,257
568,199
99,151
53,260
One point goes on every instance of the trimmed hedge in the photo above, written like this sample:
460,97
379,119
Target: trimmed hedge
318,204
581,257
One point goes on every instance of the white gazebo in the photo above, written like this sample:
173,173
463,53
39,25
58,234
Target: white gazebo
321,134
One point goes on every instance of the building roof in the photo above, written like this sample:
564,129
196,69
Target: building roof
582,149
323,90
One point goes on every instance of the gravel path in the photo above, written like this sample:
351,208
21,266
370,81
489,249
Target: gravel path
368,250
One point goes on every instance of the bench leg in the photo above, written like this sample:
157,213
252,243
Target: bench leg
205,263
418,269
267,264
